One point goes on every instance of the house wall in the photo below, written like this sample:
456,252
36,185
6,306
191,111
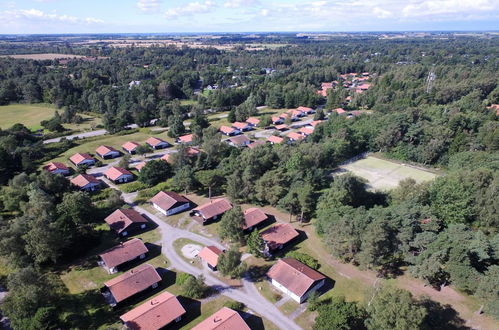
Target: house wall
111,154
124,178
313,289
175,210
91,187
286,291
87,162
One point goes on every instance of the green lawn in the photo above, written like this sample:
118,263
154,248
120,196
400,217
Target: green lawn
30,115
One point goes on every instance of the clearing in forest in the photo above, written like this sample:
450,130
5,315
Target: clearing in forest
30,115
385,175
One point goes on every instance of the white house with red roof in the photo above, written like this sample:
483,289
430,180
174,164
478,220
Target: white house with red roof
57,168
229,131
118,174
157,143
107,152
130,147
80,159
185,139
253,121
241,126
209,255
86,182
169,202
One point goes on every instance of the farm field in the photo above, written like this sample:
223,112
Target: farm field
43,56
30,115
385,175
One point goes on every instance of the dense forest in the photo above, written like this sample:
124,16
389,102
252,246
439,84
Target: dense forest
444,232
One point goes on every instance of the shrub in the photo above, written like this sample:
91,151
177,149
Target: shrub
146,194
235,305
133,186
304,258
182,278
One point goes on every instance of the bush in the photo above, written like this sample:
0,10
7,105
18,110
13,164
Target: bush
304,258
144,195
235,305
182,278
133,186
127,131
194,287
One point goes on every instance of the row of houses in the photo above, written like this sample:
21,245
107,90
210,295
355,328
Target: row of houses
356,82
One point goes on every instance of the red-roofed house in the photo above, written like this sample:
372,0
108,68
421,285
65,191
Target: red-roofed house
140,166
253,217
241,126
224,319
315,123
86,182
124,221
274,139
209,255
294,136
306,131
121,254
339,111
107,152
295,279
56,168
157,143
239,141
277,236
130,283
80,159
185,139
255,144
281,127
306,110
253,121
276,120
118,174
211,211
295,114
169,202
229,130
155,313
130,147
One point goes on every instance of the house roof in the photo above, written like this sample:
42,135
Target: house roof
224,319
364,86
240,140
185,138
275,139
279,234
134,281
253,120
82,180
55,166
294,276
154,141
123,252
210,254
306,130
315,123
339,111
140,166
239,125
227,129
120,219
255,144
295,136
114,172
305,109
213,208
191,152
253,216
276,118
79,157
155,313
166,158
102,150
130,146
295,112
281,127
167,199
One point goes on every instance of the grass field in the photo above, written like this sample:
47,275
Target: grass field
30,115
384,175
43,56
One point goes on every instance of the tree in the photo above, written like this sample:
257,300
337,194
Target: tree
231,225
339,314
143,149
265,121
194,287
393,308
125,161
231,116
255,243
184,178
154,172
229,263
487,290
319,115
209,179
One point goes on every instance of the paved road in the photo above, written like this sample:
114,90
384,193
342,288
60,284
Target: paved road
79,135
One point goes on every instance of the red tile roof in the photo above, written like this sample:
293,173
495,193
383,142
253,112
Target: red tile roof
306,130
339,111
78,158
213,208
281,127
166,158
120,219
123,252
279,234
224,319
102,150
305,109
240,140
55,166
253,120
114,172
155,313
185,138
276,119
239,125
191,152
253,216
130,146
167,199
140,166
275,139
132,282
210,254
294,276
83,179
255,144
295,136
154,141
315,123
227,129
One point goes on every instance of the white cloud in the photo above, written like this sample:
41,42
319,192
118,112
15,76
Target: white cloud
148,6
448,7
38,15
264,12
382,13
190,9
241,3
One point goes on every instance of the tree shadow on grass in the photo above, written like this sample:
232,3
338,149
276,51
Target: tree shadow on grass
256,273
442,316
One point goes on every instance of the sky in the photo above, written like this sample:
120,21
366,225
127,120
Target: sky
169,16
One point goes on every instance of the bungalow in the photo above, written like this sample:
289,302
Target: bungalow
306,110
130,147
306,131
282,127
295,279
253,121
211,211
191,152
86,182
185,139
209,255
315,123
339,111
225,318
169,202
255,144
276,120
107,152
253,217
122,253
155,313
229,130
130,283
239,141
294,114
118,174
241,126
294,136
157,143
277,236
140,166
124,221
274,139
56,168
80,159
